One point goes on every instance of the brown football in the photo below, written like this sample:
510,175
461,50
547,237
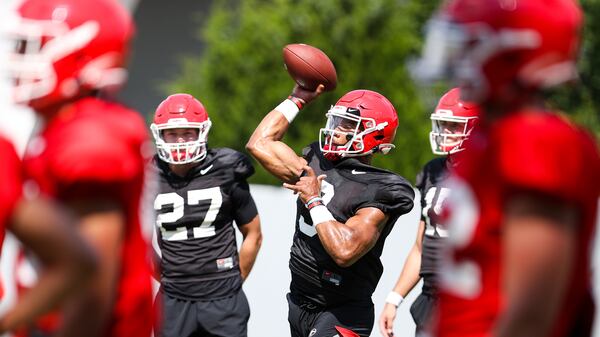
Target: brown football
309,66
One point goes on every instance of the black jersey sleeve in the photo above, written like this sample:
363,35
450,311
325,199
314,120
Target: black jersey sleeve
309,151
395,196
420,185
420,180
243,203
242,167
235,162
306,150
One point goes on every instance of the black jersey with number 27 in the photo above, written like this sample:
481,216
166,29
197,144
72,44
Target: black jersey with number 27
194,225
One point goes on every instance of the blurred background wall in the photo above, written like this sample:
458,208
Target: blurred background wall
164,35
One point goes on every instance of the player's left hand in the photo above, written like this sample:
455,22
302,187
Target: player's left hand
309,185
386,320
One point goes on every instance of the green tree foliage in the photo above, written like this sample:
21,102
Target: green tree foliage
582,100
240,77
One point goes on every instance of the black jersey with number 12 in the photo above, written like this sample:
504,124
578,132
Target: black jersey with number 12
349,186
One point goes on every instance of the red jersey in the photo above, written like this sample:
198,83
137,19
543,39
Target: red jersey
93,150
10,187
528,151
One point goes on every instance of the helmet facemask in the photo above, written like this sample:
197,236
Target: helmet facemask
476,57
184,152
64,57
38,44
345,125
445,42
448,133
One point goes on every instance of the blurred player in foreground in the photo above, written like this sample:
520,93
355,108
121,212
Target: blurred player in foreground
523,207
88,156
452,122
67,262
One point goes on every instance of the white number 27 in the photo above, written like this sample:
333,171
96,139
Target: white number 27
205,229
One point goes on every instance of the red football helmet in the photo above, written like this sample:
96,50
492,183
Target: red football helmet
361,122
181,111
451,123
65,48
500,50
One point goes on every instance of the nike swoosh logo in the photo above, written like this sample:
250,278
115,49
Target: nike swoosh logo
358,172
203,172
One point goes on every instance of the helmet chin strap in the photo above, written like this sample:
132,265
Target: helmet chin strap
452,160
332,156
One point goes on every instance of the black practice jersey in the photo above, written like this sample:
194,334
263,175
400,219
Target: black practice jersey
194,225
431,185
349,186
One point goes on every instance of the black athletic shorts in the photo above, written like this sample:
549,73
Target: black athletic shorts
227,317
421,310
307,319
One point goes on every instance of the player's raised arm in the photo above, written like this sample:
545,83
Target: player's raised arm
265,144
314,73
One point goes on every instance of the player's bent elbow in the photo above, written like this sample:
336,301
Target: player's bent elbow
344,260
344,263
259,239
345,254
252,148
254,143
